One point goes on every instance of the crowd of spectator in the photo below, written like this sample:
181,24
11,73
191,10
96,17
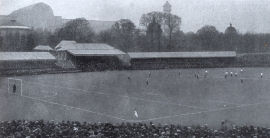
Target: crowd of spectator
66,129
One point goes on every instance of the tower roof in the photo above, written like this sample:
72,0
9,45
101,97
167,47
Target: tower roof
167,4
167,7
230,30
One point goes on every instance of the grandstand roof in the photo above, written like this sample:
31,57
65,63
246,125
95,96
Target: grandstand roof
72,45
25,56
64,43
94,52
43,48
145,55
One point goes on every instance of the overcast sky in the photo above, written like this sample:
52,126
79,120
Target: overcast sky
245,15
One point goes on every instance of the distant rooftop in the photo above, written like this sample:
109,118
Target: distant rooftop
43,48
110,52
149,55
25,56
13,24
72,45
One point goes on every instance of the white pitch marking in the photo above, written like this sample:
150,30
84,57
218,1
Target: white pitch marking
200,112
77,108
216,110
137,98
223,102
152,93
49,96
151,119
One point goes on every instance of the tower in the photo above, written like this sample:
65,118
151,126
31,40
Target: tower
230,30
167,7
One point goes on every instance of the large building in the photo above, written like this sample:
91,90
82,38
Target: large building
14,36
41,16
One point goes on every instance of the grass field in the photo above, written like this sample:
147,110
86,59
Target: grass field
168,98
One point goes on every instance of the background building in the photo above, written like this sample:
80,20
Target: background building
230,30
14,36
41,16
18,61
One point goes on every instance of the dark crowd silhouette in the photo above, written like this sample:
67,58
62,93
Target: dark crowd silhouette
74,129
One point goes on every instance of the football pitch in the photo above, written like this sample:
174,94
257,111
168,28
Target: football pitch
161,96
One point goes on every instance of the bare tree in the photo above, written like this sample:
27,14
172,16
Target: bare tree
169,23
153,34
78,30
208,36
123,34
173,23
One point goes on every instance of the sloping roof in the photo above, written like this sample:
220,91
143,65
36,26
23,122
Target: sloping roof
100,52
13,24
43,48
25,56
145,55
254,54
72,45
63,44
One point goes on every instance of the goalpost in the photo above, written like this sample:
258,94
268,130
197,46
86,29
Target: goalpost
15,86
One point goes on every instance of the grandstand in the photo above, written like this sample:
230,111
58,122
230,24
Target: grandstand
253,59
18,61
160,60
91,56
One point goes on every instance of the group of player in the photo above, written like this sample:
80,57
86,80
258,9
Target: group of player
204,75
236,75
197,75
147,79
232,74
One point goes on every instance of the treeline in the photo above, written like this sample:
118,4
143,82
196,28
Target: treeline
160,33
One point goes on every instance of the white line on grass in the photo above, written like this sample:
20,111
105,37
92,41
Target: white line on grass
51,96
77,108
168,103
201,112
131,97
152,93
68,107
72,107
145,120
147,93
223,102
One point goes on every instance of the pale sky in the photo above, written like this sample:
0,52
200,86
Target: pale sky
245,15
